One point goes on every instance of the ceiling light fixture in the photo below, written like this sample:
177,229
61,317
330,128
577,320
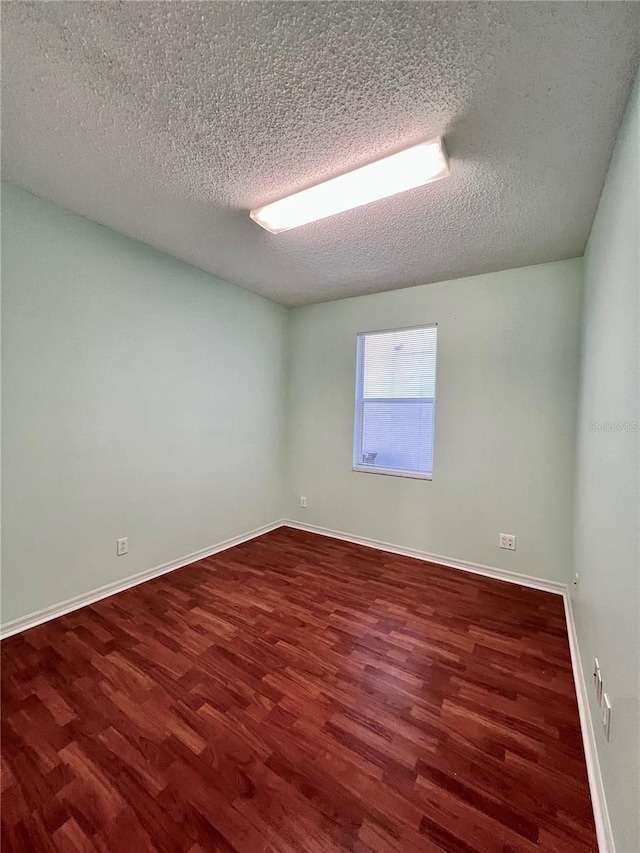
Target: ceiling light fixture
405,170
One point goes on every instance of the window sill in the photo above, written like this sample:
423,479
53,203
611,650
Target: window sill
390,472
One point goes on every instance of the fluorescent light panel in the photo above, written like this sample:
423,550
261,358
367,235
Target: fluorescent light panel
405,170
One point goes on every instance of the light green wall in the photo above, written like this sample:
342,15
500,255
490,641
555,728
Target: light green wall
504,424
141,398
607,601
144,398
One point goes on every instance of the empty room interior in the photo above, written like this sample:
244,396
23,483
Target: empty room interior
320,427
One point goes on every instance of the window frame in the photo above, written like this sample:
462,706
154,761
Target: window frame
359,407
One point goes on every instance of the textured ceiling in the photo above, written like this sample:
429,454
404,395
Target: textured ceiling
168,121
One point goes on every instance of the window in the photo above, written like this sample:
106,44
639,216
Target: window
395,400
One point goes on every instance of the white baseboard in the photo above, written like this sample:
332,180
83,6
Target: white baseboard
598,798
78,601
476,568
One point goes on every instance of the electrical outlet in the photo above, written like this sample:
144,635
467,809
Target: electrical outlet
122,547
506,540
606,716
597,680
303,502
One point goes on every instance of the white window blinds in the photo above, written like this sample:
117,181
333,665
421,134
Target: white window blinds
395,399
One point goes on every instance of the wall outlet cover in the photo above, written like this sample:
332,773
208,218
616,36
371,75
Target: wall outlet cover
508,541
606,716
597,679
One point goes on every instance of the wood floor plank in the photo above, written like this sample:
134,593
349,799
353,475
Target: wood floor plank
297,693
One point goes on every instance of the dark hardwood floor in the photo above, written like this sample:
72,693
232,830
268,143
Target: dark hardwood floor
297,693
